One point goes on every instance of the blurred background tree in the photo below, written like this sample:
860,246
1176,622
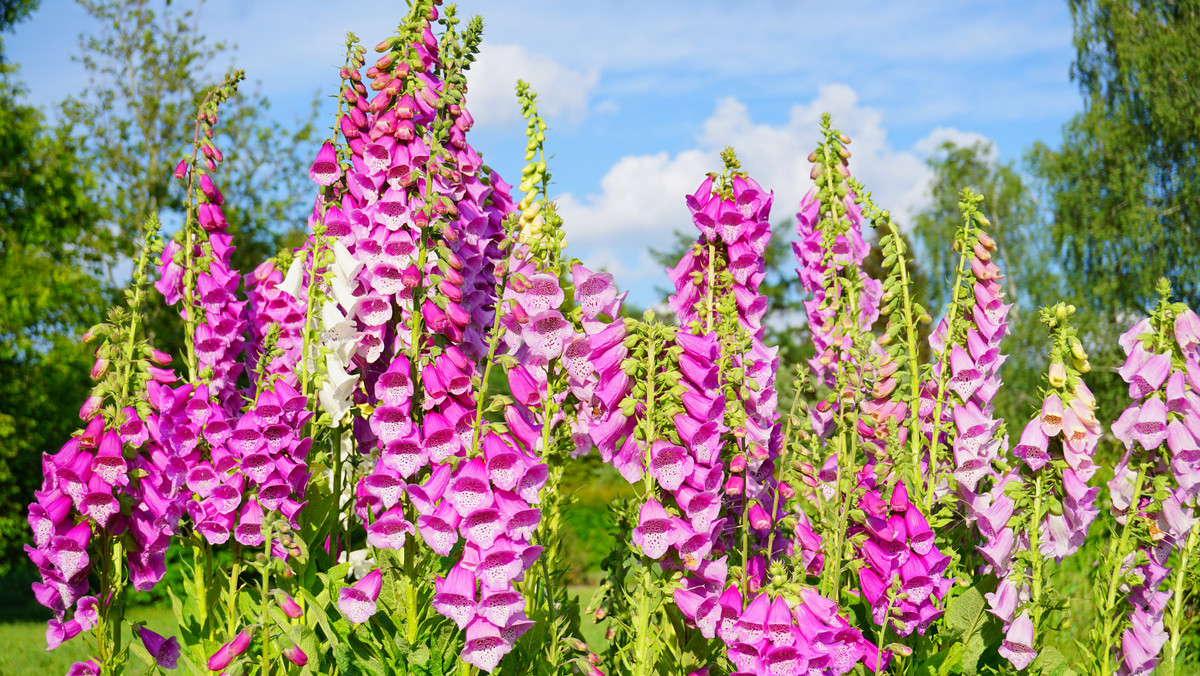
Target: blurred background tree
1124,187
1122,192
77,187
51,252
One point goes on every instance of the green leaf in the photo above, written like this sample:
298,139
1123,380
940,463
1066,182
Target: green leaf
316,610
1051,662
943,662
965,614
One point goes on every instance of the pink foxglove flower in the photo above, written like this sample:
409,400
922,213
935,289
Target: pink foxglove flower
1017,646
357,602
295,655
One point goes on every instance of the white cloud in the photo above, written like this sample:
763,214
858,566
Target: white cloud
492,81
641,198
934,139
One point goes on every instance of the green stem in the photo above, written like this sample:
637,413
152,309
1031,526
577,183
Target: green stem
410,589
493,343
708,302
1037,560
778,472
643,658
310,314
952,315
266,585
1116,575
745,532
1180,591
887,618
651,353
231,601
189,274
914,366
199,570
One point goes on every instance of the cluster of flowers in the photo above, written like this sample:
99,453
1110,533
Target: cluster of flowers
605,423
974,361
735,230
539,336
273,300
771,634
784,636
416,230
181,453
1057,447
830,251
691,473
253,459
220,318
901,576
1161,368
825,254
72,487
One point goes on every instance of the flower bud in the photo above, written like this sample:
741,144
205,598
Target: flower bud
242,641
181,169
289,607
1058,374
1077,350
734,485
100,368
91,407
410,277
295,655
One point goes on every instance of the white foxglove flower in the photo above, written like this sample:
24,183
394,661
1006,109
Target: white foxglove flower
346,265
293,281
334,325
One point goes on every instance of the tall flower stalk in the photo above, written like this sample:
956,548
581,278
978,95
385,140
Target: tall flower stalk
1042,508
1153,490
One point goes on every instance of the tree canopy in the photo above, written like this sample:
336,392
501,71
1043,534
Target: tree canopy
1124,187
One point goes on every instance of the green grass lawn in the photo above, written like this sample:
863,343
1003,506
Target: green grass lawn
593,633
23,645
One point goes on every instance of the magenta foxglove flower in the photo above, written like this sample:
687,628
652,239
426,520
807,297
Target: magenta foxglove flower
88,668
357,602
165,651
226,653
289,606
325,169
295,655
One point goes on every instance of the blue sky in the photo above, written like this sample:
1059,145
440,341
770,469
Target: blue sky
641,96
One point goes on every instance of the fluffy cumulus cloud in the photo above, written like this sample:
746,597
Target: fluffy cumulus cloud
641,198
492,81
